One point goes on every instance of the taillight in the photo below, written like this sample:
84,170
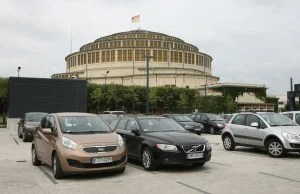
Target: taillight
224,125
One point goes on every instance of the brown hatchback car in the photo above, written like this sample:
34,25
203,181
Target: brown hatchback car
78,143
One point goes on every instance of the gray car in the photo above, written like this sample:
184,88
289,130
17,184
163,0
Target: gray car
271,131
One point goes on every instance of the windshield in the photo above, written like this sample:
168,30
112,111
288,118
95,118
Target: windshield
108,117
150,125
182,118
213,117
83,124
33,117
278,120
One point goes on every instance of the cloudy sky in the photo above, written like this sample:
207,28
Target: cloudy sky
251,41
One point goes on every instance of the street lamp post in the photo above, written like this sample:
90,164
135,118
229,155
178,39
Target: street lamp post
19,68
105,76
147,83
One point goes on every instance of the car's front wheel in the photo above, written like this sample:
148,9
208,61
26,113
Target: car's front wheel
35,160
148,160
19,133
212,130
275,148
57,171
228,143
24,137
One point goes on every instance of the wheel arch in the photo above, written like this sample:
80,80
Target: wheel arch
226,133
270,137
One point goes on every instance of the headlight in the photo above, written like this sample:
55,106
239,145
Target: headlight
69,143
120,141
188,126
208,146
166,147
290,136
220,125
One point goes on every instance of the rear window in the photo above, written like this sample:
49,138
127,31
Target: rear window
35,117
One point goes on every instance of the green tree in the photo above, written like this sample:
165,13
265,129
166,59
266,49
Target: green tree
97,99
229,105
154,98
182,102
3,97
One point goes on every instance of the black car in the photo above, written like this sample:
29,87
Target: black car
186,122
28,123
212,122
157,140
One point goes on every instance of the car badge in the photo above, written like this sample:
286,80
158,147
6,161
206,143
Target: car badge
100,149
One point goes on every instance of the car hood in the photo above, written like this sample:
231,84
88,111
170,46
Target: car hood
96,139
177,138
35,124
189,123
291,129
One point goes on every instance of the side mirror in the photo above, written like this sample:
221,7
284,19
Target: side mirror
135,131
254,124
46,131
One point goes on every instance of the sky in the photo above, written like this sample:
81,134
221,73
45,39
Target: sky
251,41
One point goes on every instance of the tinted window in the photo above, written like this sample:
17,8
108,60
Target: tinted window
182,118
131,125
150,125
192,116
44,122
214,117
52,125
239,120
122,124
83,124
114,123
252,119
197,118
289,115
34,117
204,118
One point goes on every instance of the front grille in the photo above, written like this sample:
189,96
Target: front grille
193,148
77,164
99,149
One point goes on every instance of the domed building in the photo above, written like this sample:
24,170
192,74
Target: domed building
118,59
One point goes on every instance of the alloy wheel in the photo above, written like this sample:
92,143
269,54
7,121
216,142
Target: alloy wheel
54,165
33,154
275,148
146,159
227,142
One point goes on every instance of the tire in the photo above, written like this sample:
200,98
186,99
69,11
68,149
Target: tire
19,134
148,160
199,164
24,137
228,143
56,167
275,148
212,130
34,159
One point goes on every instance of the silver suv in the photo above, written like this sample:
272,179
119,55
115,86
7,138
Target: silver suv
271,131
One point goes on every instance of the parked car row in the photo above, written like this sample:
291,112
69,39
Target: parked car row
84,143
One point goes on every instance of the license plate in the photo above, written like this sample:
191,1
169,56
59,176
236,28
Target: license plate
194,156
101,160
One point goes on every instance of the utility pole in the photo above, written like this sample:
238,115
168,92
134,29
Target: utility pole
147,83
205,82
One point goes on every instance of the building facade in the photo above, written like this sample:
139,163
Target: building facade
246,102
118,59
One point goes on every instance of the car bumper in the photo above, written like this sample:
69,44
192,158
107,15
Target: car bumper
291,145
29,132
179,157
80,162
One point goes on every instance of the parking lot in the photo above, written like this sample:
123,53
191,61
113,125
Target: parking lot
245,170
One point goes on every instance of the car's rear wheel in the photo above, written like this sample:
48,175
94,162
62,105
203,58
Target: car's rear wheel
35,160
57,171
148,160
228,143
275,148
24,137
212,130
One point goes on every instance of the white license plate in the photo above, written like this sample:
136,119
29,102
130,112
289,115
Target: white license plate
194,156
101,160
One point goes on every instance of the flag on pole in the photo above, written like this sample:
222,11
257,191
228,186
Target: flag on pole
135,19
